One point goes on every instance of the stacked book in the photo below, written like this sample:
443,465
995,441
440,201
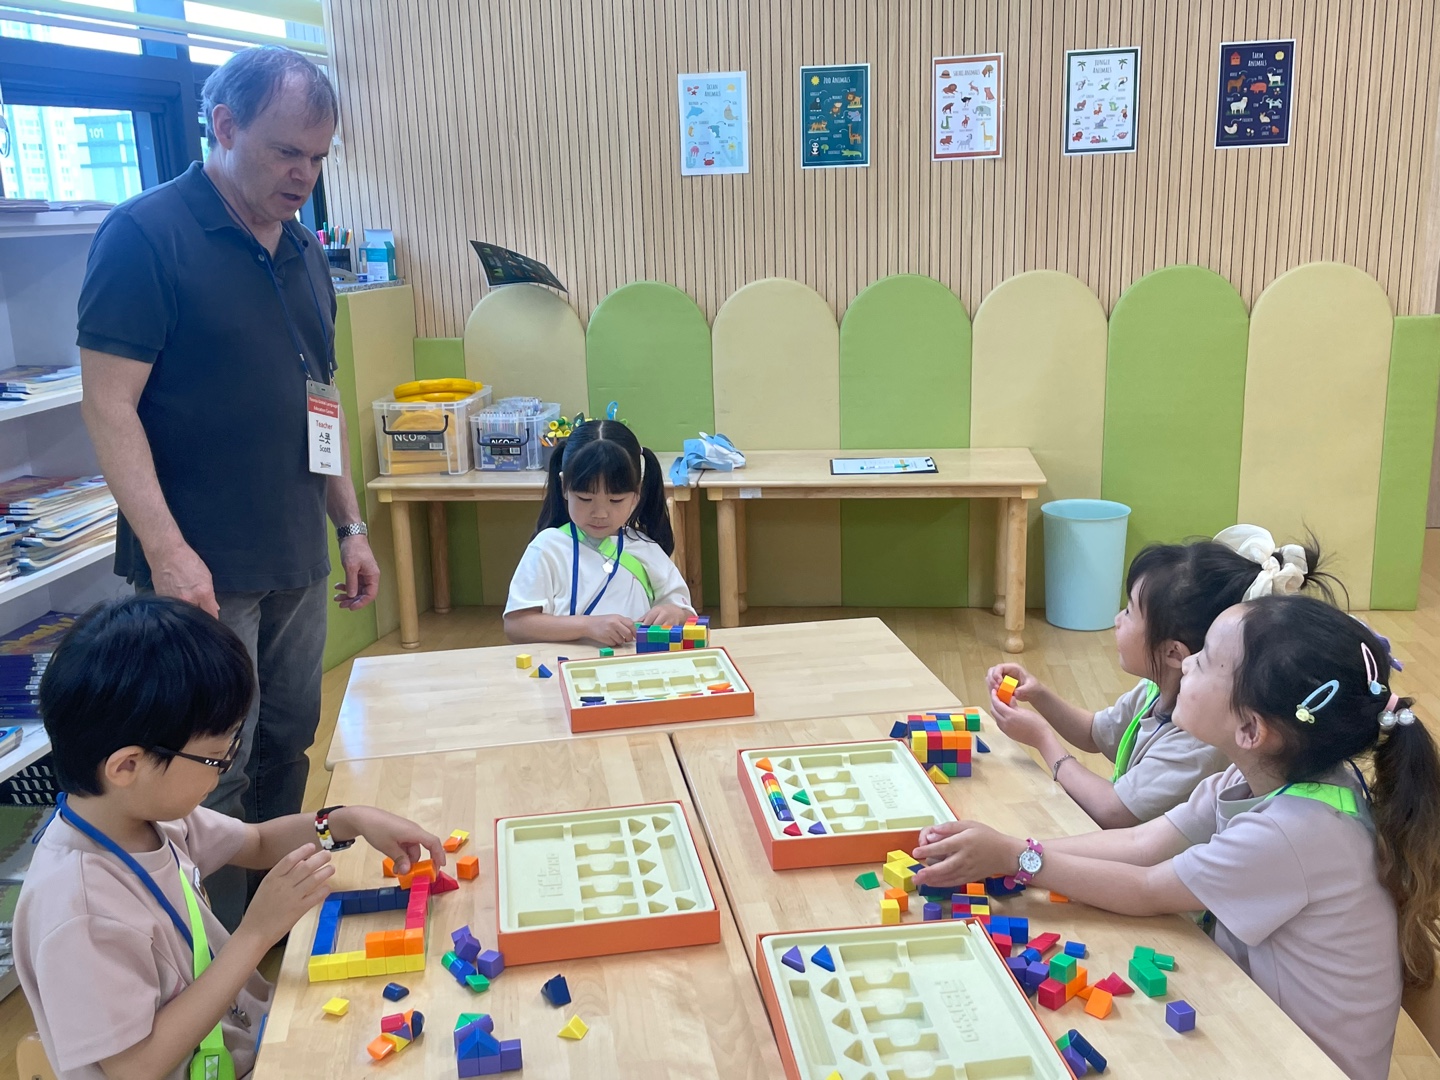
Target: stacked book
54,518
37,383
24,655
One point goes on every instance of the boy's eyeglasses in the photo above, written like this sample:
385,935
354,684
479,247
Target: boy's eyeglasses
222,764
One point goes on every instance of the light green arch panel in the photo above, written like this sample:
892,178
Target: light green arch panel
1038,380
776,355
521,339
648,348
1174,405
1315,387
905,382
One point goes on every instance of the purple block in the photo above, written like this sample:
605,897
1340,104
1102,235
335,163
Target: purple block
467,949
510,1055
817,828
793,960
1077,1063
1038,972
489,1066
1017,966
490,963
485,1025
962,768
932,912
469,1067
1180,1015
457,936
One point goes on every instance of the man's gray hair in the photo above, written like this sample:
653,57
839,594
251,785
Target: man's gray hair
248,81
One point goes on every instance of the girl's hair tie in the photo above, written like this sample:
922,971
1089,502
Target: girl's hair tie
1316,700
1389,717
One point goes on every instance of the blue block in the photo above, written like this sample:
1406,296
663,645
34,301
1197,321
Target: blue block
556,991
350,905
1032,955
899,731
940,892
389,899
1019,930
1017,968
325,932
478,1043
394,992
461,970
1180,1016
1075,949
1095,1059
822,958
1000,924
544,672
980,747
368,904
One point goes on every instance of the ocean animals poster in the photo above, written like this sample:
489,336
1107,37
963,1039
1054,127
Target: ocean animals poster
1255,93
714,124
835,116
1100,101
966,115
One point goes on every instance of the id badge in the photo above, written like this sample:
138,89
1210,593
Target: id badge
323,411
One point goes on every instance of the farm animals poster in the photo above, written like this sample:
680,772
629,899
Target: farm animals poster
968,117
834,116
1100,114
714,124
1256,92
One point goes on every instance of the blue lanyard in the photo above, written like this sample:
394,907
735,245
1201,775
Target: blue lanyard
575,569
269,265
73,819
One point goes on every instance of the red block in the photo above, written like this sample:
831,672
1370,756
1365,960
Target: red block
1044,943
1003,943
395,1021
1115,985
445,883
1051,994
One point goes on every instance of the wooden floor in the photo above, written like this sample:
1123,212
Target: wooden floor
958,645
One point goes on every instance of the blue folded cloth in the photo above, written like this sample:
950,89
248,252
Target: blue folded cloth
714,452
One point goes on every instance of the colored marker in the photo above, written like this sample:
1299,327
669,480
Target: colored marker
776,797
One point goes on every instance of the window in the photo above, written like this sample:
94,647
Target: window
100,141
84,39
211,15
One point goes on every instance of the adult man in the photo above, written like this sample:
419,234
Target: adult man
206,329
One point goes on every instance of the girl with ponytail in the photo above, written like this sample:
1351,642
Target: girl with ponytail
1314,853
600,559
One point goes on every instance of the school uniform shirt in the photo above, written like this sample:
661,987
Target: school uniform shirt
1166,764
1298,902
542,580
97,955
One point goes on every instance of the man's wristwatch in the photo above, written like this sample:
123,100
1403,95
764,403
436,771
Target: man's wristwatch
355,528
1031,860
322,830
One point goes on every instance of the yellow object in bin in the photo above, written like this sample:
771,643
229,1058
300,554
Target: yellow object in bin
417,437
421,387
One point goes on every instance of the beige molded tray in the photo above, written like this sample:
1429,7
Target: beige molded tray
917,1001
869,798
654,688
595,882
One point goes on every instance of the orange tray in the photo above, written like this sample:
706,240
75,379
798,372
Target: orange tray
654,688
595,882
867,798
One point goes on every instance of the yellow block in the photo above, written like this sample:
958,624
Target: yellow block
357,966
898,856
899,876
937,775
889,913
415,962
522,661
317,969
336,1006
575,1029
394,965
375,965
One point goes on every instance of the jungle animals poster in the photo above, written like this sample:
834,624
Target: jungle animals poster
834,116
1255,93
714,124
966,116
1100,101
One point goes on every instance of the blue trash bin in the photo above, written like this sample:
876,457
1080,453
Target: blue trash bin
1084,562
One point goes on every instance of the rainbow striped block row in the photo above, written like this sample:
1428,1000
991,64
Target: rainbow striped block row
693,633
941,740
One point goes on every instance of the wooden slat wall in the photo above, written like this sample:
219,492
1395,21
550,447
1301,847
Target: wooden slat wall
550,126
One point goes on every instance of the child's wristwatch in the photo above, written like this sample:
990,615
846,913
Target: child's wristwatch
322,830
1031,860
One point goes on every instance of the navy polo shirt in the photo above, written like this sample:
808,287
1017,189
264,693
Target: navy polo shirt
174,282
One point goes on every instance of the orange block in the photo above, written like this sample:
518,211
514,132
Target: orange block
975,888
375,945
1084,993
394,942
380,1047
388,867
468,868
414,942
1056,898
1081,979
422,869
1100,1003
900,896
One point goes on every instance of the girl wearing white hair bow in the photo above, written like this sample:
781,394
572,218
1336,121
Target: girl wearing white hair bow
1176,591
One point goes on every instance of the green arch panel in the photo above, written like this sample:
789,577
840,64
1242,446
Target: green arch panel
905,382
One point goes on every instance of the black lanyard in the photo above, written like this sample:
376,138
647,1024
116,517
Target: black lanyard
269,265
575,569
85,828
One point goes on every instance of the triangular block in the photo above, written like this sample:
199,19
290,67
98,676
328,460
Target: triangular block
575,1029
821,958
444,883
817,828
980,747
792,959
802,798
556,991
544,672
900,730
535,672
938,775
791,830
764,765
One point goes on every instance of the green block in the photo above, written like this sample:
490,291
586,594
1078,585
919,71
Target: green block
1164,963
607,651
1063,1041
466,1018
1149,978
950,768
801,798
944,723
972,723
448,959
1062,968
477,982
868,880
1142,953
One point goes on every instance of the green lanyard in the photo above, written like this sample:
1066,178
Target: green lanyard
212,1061
1126,750
1336,796
625,559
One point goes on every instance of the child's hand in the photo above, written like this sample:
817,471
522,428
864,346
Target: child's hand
931,833
1029,685
969,852
293,886
1023,725
667,615
609,629
394,836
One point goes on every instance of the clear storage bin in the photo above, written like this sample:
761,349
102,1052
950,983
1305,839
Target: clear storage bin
514,434
419,437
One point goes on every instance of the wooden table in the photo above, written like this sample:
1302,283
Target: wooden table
1240,1033
471,698
692,1013
1011,476
526,486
